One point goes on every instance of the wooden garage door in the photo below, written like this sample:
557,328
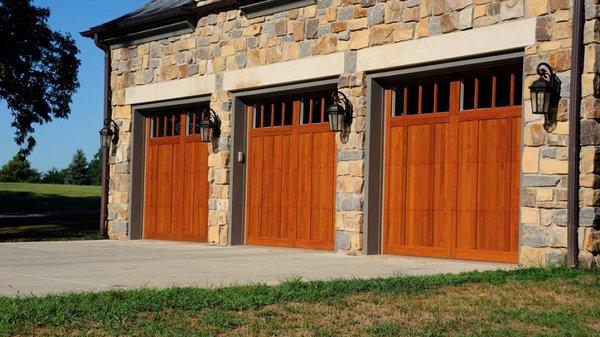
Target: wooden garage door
453,164
291,173
176,191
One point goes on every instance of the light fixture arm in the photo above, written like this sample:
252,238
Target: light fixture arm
211,115
545,71
111,125
340,98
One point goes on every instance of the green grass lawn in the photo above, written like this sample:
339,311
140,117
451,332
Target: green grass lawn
533,302
69,212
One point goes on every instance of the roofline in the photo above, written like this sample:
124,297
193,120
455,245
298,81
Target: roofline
153,20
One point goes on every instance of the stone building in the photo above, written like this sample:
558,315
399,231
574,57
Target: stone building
442,156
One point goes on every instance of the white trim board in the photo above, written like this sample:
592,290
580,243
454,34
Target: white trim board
174,89
495,38
304,69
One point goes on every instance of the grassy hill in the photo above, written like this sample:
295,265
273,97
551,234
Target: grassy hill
33,212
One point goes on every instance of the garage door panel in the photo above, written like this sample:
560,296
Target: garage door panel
177,190
397,167
176,182
294,184
452,178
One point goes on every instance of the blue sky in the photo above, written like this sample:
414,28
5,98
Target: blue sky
58,140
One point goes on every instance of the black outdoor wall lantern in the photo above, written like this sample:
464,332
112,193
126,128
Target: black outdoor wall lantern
109,134
210,126
340,112
545,91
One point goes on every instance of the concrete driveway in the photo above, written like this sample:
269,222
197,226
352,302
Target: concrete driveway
54,267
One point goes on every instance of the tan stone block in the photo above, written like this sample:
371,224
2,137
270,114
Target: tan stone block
360,13
357,168
337,27
544,194
562,128
562,15
219,159
381,34
223,235
219,64
256,57
219,191
403,32
348,184
214,234
560,60
536,8
587,84
325,45
531,159
423,28
252,30
290,51
357,24
310,11
356,242
530,215
359,40
549,46
343,168
297,30
393,11
588,160
122,111
410,14
533,135
561,30
220,176
349,221
479,11
553,166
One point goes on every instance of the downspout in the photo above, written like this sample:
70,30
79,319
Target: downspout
105,151
574,134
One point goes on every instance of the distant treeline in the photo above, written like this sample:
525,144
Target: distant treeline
79,172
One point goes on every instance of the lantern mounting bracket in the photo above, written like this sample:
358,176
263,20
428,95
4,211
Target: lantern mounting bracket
545,71
339,97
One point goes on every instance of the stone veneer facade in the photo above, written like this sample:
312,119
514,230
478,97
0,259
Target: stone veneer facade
229,41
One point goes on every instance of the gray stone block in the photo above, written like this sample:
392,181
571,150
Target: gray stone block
375,15
342,240
539,181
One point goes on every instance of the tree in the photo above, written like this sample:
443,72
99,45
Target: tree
95,169
78,172
38,69
18,170
55,176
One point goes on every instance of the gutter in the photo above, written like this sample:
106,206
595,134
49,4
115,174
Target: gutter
574,134
105,152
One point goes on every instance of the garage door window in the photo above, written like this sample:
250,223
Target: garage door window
499,87
165,125
421,97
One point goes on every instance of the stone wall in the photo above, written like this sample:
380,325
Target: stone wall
228,41
545,159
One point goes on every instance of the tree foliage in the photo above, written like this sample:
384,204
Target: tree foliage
38,69
18,170
78,171
55,176
95,169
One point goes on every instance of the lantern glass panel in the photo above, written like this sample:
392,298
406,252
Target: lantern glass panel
206,131
336,117
104,138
